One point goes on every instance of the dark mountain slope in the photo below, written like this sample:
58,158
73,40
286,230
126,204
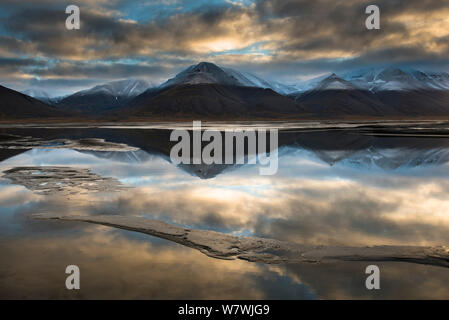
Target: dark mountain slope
417,102
340,103
16,105
212,100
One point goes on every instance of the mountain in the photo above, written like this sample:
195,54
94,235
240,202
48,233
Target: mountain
16,105
38,94
43,96
390,92
104,97
308,85
251,80
207,90
203,73
387,79
212,101
211,91
398,79
333,82
333,97
324,82
209,73
409,91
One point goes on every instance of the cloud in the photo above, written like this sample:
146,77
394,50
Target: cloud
282,39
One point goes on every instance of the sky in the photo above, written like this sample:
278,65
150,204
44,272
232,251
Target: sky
283,40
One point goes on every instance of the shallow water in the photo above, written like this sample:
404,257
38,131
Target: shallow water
351,186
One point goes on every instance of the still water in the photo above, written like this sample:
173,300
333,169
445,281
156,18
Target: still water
357,186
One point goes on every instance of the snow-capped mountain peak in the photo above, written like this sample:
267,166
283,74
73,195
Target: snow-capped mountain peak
251,80
42,96
333,82
209,73
202,73
398,79
121,88
36,93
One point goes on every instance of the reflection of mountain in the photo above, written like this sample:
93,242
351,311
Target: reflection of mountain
5,154
203,171
138,156
360,149
8,153
385,158
364,146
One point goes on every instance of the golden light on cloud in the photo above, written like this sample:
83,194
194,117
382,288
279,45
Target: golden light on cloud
217,45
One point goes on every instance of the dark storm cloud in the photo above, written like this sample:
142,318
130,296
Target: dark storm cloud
18,62
106,70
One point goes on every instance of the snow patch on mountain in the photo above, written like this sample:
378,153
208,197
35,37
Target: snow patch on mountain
121,88
202,73
333,82
251,80
42,96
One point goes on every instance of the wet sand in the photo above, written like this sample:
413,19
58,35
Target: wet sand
224,246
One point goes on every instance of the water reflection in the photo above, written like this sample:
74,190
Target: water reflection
349,187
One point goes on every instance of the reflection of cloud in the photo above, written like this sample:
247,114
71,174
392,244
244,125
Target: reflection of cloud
15,195
347,280
303,211
306,202
34,268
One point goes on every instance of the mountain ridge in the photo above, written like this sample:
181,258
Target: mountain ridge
210,91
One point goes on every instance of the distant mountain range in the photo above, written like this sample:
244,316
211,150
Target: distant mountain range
42,95
396,79
209,91
387,79
105,97
390,92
